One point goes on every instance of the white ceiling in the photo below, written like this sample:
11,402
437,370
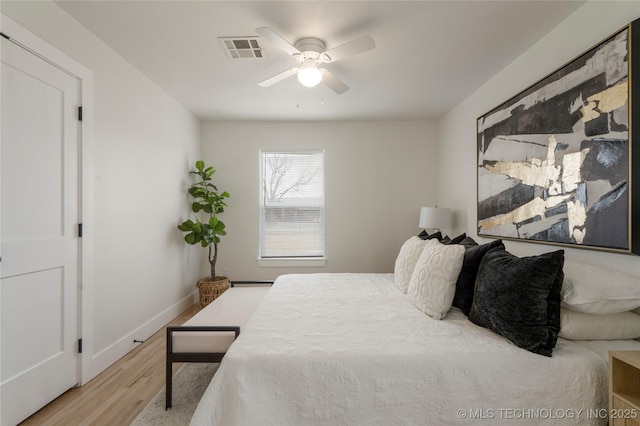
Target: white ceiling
429,55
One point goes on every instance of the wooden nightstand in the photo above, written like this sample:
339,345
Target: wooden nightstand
624,388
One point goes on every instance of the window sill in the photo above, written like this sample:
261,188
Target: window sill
292,262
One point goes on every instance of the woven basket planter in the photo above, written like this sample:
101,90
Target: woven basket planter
210,289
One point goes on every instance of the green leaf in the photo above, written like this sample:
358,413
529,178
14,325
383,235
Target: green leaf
196,207
208,238
200,190
186,225
199,165
225,194
190,238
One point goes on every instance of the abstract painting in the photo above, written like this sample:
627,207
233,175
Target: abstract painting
554,162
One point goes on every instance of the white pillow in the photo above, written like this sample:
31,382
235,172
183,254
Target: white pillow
433,283
406,261
580,326
594,290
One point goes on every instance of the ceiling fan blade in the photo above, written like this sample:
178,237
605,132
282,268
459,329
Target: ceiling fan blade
277,40
353,47
278,77
334,83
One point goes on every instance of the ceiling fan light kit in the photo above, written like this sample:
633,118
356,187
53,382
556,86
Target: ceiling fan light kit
309,75
311,52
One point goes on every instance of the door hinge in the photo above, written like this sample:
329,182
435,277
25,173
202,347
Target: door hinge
79,230
79,346
79,113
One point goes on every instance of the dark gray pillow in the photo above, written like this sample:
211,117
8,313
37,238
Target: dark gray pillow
519,298
425,236
465,286
468,242
457,240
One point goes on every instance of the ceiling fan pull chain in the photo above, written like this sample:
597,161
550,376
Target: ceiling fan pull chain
322,93
298,95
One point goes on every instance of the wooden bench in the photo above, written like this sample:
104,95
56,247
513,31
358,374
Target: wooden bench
207,336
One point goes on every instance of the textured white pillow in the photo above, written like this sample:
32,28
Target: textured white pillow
433,283
406,261
580,326
594,290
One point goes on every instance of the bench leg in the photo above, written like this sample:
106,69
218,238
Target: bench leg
169,384
168,381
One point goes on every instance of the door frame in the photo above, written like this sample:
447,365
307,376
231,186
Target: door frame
39,47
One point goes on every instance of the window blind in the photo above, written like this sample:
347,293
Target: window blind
291,203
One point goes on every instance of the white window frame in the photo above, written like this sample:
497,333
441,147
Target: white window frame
293,261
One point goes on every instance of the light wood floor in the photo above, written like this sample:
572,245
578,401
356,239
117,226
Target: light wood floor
118,394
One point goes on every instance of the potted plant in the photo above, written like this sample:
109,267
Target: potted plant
209,203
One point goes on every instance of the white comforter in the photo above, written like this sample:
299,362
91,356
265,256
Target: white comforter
350,349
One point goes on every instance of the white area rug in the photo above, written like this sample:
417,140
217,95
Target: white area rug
189,383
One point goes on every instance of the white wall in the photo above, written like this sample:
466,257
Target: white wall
585,28
143,143
377,176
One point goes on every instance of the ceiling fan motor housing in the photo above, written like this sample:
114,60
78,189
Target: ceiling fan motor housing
310,47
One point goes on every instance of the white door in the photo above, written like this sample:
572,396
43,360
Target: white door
39,241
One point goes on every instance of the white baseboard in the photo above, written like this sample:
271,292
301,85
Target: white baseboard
108,356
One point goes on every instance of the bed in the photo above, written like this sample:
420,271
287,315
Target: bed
351,349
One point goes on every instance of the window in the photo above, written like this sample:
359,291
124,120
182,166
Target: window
291,204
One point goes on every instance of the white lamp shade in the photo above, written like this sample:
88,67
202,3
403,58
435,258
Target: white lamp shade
309,75
434,217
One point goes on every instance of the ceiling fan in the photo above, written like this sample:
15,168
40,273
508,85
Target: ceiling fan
311,55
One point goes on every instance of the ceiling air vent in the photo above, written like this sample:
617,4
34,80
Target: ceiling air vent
241,47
